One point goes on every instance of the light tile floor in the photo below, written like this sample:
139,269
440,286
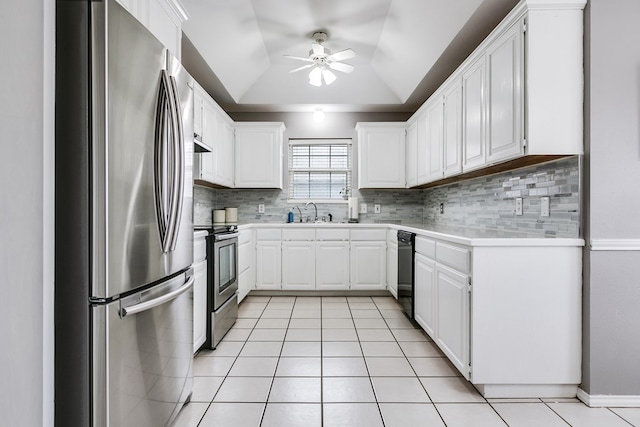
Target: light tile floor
353,362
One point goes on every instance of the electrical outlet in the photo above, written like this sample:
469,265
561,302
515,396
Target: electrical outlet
376,208
544,206
363,208
519,206
441,208
261,208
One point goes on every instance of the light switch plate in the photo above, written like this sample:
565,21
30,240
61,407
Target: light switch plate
376,208
261,208
363,208
544,206
519,206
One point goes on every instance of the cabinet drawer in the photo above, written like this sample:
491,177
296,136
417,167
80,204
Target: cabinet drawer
332,234
268,234
369,235
426,247
245,236
199,249
455,257
305,234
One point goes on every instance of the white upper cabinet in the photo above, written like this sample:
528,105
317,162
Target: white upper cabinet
411,155
504,103
435,140
481,115
474,111
381,155
422,150
163,18
213,162
258,154
452,156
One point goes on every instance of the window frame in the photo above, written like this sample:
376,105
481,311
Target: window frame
319,141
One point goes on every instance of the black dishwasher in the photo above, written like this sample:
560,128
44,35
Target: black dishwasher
406,252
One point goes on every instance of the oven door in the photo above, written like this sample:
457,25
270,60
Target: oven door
225,268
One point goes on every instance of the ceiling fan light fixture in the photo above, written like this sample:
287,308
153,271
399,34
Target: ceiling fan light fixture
328,76
315,77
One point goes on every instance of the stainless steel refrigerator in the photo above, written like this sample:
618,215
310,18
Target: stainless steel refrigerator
124,232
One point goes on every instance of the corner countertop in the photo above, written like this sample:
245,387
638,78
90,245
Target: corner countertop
461,235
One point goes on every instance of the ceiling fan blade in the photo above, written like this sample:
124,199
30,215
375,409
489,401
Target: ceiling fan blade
318,49
302,68
343,54
339,66
299,58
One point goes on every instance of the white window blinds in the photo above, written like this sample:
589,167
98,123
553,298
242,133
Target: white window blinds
319,168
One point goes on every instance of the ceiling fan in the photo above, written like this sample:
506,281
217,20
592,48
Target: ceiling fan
323,61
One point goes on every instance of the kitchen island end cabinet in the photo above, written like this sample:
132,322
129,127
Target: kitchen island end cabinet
506,312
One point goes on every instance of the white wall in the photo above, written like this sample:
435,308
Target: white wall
611,307
26,212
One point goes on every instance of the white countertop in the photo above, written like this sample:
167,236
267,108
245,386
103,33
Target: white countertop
461,235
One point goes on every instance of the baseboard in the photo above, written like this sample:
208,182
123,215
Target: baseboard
598,400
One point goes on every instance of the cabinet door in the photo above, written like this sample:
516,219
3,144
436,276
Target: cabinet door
411,155
453,129
332,265
435,140
197,111
381,157
368,265
422,152
258,156
246,264
424,293
224,153
268,265
199,304
208,161
473,115
298,265
452,332
504,114
392,268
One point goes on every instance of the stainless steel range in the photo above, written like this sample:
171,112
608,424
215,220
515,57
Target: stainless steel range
222,282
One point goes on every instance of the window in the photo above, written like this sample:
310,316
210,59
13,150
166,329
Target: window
319,169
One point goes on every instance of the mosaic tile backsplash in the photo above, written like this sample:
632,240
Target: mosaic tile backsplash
489,202
484,203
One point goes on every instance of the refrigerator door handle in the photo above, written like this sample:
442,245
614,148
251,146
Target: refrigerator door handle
178,158
169,162
143,306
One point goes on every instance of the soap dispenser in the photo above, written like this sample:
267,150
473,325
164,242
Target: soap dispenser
290,216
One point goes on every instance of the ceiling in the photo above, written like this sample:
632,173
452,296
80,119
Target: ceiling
404,50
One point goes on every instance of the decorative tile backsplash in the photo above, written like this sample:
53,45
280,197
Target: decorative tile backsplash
484,203
489,202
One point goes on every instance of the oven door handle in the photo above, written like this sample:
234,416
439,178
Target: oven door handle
219,237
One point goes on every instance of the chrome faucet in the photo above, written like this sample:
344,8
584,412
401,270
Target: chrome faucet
315,207
300,212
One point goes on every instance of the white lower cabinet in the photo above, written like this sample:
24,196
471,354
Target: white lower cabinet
246,263
268,265
368,265
332,265
199,289
298,265
452,316
424,293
